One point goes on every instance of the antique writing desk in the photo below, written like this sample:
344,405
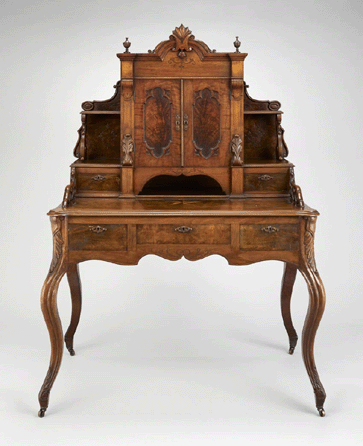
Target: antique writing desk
181,161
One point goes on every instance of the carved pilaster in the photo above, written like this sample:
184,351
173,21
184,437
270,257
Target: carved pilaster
236,150
127,150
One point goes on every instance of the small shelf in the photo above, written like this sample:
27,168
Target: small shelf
267,163
263,112
100,112
97,163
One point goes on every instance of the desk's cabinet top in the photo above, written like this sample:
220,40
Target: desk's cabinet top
181,122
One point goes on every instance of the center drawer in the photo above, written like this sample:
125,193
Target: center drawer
185,233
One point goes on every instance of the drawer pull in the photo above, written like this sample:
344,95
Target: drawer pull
183,229
265,178
98,178
97,229
269,229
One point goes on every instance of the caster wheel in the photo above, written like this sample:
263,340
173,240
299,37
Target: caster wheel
291,351
41,413
321,412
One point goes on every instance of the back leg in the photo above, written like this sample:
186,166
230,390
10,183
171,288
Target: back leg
76,295
287,285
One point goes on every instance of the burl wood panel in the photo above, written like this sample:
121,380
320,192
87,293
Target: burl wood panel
207,135
103,137
157,136
185,233
269,237
92,237
264,180
260,137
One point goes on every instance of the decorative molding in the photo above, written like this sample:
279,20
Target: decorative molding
236,150
265,177
127,150
309,243
183,229
157,116
181,41
282,150
206,122
97,229
270,229
112,104
87,105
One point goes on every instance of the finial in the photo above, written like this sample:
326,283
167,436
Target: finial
237,44
127,45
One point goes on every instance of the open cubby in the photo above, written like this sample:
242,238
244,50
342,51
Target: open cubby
103,137
182,185
260,137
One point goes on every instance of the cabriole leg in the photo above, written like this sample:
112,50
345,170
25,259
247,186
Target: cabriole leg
314,314
76,296
288,280
50,310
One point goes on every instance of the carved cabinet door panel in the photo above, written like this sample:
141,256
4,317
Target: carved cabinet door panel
206,122
157,122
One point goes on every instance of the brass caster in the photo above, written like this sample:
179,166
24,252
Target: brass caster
321,412
291,351
41,413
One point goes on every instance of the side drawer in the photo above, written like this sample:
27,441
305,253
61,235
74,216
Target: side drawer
271,236
98,180
185,233
97,237
261,180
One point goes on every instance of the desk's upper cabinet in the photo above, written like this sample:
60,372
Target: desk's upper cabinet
181,110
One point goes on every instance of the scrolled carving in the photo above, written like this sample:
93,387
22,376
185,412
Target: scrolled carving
296,197
80,148
181,41
274,105
70,190
309,243
282,150
58,242
236,150
127,150
87,105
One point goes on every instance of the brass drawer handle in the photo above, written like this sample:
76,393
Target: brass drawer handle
183,229
265,178
98,178
177,123
97,229
269,229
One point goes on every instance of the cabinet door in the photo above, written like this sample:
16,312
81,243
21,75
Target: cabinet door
206,122
157,123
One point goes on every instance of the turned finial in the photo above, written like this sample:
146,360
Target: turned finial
127,45
237,44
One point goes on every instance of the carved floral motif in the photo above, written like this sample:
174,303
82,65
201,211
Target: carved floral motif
236,149
127,150
309,243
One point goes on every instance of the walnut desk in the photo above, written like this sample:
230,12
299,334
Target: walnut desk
181,161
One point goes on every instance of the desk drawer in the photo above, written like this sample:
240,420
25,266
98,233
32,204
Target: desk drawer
184,233
94,237
98,181
271,236
262,180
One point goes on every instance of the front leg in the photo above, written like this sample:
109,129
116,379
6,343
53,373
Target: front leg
74,282
287,285
50,310
315,312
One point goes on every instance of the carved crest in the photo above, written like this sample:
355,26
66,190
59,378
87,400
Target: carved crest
127,150
181,41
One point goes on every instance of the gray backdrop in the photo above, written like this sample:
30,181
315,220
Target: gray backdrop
176,352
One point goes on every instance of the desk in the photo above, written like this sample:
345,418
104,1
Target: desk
160,174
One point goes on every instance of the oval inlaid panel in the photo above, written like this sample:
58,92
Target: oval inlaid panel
206,123
157,121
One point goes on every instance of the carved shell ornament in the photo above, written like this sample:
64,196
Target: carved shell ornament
181,41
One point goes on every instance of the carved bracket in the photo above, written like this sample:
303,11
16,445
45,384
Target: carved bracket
70,191
127,150
296,197
80,148
309,243
58,242
236,150
282,150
